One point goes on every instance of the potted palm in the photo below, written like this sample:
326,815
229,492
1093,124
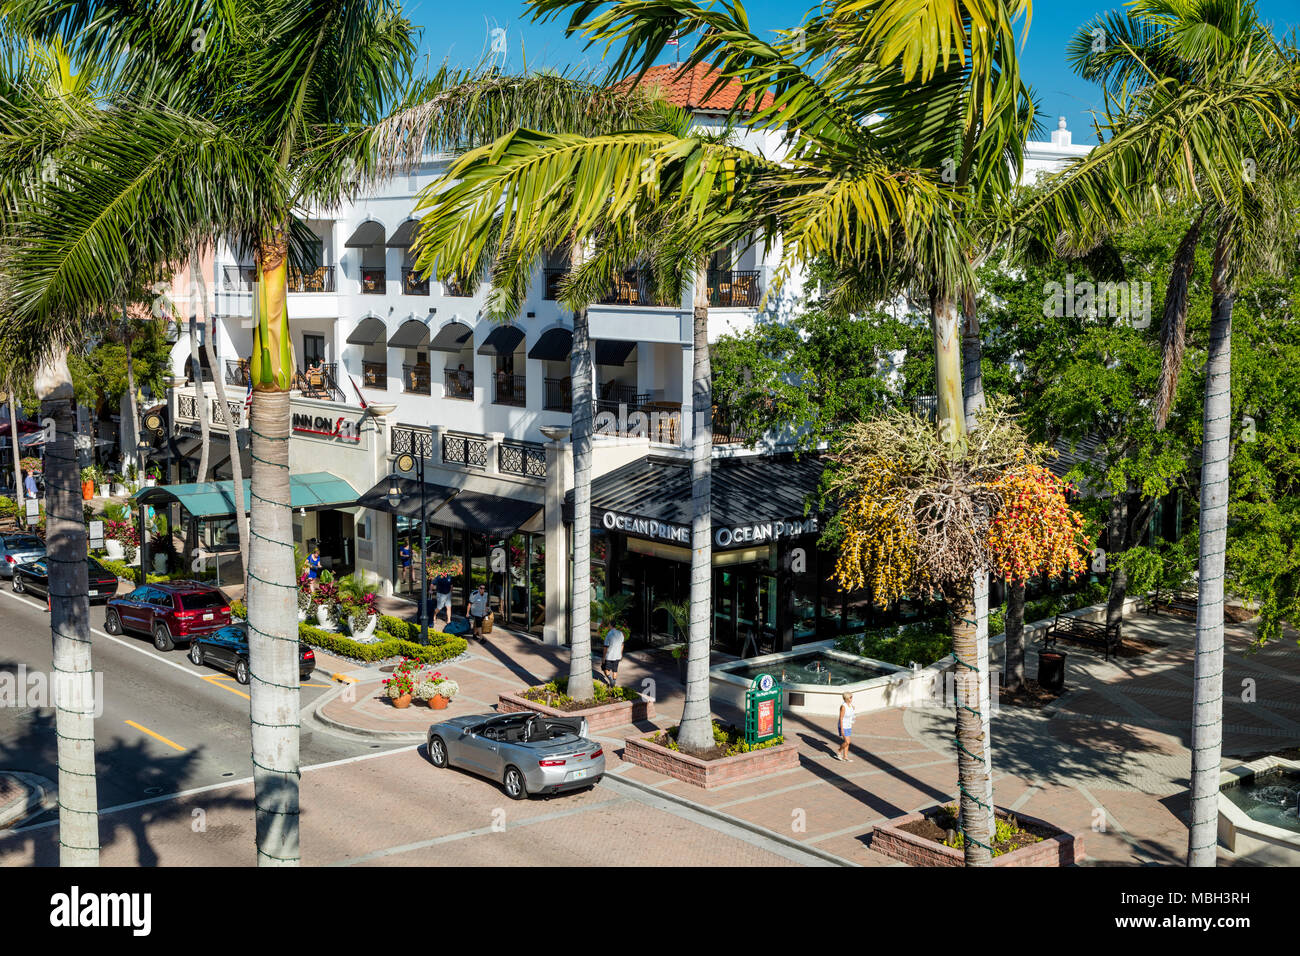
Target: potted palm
679,612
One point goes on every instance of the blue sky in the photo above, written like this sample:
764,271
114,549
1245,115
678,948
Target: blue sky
461,33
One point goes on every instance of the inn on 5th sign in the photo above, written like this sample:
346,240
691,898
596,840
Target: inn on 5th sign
758,533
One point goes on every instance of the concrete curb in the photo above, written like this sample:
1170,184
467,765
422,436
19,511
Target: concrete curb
788,842
38,794
395,736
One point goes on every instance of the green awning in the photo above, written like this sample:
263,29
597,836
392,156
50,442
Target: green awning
216,499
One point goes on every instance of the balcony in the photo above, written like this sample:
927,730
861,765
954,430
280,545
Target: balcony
416,380
412,284
375,375
318,280
633,287
734,289
453,288
557,396
552,286
319,381
416,440
465,450
511,390
521,458
727,430
238,278
237,372
613,395
459,384
374,282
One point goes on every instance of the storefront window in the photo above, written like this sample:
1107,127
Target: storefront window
536,582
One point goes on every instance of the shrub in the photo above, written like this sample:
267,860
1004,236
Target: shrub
387,646
554,693
729,739
924,642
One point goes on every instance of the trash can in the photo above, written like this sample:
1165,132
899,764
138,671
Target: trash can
1051,671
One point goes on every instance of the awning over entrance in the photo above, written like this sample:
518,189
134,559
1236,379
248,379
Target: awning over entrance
404,236
486,514
435,496
411,334
369,233
503,340
554,346
369,331
610,352
215,499
651,498
451,337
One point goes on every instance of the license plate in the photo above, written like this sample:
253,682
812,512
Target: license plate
207,617
578,774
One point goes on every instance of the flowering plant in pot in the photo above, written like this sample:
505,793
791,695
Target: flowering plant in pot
400,687
361,614
326,597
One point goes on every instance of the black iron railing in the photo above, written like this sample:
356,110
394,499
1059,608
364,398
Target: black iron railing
412,284
413,440
731,289
465,450
317,280
553,277
511,390
374,375
522,458
453,288
187,406
557,395
458,383
727,429
374,281
319,381
417,379
633,287
236,413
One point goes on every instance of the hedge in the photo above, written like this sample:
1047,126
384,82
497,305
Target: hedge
441,647
131,572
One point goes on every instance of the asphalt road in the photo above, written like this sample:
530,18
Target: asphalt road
167,725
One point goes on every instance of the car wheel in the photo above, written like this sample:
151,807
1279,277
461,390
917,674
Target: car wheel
196,654
516,789
162,638
437,752
112,623
18,583
241,671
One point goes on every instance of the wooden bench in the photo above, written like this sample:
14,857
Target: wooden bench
1079,631
1181,603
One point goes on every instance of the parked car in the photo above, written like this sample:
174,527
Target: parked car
33,577
172,612
527,752
17,548
227,649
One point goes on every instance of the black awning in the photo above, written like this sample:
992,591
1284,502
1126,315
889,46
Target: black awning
435,496
369,233
651,498
411,334
613,352
485,514
404,236
369,331
451,337
503,340
554,346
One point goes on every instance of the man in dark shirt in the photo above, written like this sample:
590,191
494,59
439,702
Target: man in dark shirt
442,590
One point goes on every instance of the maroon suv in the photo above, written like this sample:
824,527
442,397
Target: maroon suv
172,612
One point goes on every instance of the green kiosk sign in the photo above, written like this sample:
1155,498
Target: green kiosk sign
762,710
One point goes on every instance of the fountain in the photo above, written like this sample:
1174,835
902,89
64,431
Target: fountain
1259,811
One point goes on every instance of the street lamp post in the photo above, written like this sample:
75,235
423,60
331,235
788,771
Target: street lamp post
408,462
142,449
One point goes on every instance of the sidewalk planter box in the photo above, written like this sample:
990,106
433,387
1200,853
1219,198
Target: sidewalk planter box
643,752
1064,849
598,718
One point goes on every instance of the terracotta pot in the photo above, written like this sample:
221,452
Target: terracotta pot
87,490
403,701
438,702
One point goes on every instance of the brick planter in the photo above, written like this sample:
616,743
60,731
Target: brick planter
598,718
643,752
1064,849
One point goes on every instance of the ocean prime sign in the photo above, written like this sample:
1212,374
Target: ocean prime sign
763,531
650,528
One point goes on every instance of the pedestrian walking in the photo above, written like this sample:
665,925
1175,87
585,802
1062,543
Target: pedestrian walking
477,610
613,654
404,556
846,726
313,568
442,594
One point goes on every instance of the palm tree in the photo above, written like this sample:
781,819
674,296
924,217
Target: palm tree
1202,106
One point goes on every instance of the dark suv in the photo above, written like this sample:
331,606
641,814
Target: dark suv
172,612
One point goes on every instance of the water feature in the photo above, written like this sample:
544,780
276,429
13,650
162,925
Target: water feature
1271,797
814,668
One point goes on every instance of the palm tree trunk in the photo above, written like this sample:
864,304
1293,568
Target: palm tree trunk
199,391
581,686
972,770
950,411
972,352
232,429
272,590
1015,631
1207,706
17,446
132,411
696,730
74,697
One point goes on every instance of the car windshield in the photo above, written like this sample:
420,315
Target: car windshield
200,600
23,542
234,632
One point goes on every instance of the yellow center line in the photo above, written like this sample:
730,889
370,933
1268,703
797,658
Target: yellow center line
220,680
145,730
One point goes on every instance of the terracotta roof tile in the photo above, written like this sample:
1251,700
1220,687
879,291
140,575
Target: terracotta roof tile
688,89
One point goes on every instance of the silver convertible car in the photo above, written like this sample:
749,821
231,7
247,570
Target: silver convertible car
526,752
